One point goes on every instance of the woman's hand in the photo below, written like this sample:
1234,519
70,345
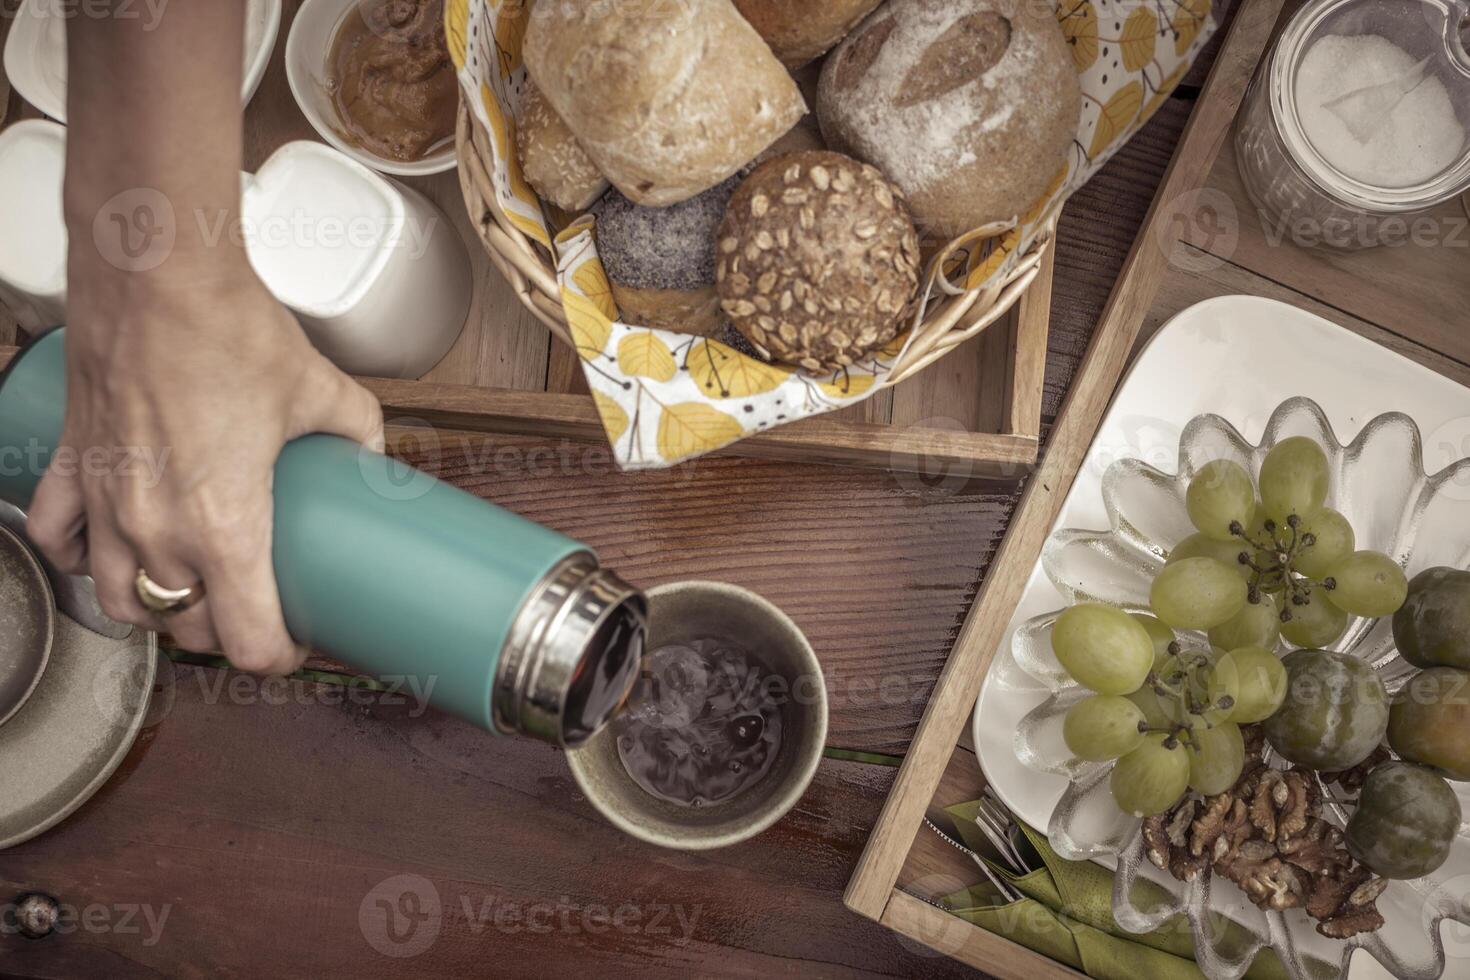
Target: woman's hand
181,391
184,376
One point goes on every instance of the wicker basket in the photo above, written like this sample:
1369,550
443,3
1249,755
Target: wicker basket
951,318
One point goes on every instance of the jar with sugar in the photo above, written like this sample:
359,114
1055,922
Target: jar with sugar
1359,122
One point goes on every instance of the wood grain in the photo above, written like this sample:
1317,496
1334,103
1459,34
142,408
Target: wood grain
872,886
267,825
823,439
266,874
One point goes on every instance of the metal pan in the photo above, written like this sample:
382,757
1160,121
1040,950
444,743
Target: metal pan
81,718
27,624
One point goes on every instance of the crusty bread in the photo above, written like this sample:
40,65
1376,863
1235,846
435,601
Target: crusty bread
802,137
661,261
691,311
667,98
818,260
799,30
554,164
968,105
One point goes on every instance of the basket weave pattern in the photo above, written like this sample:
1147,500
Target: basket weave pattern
952,317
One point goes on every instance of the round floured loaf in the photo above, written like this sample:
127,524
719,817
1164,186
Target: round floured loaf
668,98
799,31
554,163
968,105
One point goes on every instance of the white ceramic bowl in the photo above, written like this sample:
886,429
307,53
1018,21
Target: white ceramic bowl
35,51
308,46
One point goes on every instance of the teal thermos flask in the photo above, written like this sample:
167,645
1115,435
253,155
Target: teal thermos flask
504,622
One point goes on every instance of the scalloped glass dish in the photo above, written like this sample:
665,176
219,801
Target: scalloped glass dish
1421,519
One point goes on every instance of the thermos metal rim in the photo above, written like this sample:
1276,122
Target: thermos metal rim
548,642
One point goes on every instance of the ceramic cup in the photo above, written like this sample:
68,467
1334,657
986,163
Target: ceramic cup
32,229
688,611
308,47
35,50
377,275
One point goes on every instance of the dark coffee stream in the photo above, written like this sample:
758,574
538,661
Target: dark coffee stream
703,723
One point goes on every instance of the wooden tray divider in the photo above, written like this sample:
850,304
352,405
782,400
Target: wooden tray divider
872,890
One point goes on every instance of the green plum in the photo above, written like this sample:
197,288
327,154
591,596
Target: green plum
1405,822
1335,712
1429,722
1432,628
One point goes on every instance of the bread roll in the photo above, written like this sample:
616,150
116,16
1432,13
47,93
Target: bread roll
667,98
661,261
969,105
802,137
818,261
800,30
554,163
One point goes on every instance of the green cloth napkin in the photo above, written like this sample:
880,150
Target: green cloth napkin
1067,914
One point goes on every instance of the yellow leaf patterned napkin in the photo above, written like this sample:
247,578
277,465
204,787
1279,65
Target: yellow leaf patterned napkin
666,397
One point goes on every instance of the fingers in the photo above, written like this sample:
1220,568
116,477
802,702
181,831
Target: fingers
246,608
342,407
191,628
113,565
56,520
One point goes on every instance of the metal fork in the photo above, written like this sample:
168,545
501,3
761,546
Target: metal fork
997,824
938,820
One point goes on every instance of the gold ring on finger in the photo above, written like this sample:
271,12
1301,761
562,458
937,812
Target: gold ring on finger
163,601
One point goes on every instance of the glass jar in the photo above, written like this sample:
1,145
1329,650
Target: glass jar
1391,139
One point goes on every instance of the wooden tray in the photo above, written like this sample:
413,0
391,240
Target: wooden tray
1202,238
975,413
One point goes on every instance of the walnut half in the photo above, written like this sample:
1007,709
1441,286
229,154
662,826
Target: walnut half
1267,835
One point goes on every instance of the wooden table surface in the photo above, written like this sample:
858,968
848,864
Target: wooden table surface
264,830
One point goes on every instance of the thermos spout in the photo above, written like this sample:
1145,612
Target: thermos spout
572,654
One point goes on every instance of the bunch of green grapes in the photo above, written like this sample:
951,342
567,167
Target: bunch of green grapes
1170,716
1260,567
1302,577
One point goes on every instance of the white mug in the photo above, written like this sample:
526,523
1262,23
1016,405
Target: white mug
32,228
377,275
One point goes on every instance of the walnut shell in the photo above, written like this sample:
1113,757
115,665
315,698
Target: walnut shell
818,260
